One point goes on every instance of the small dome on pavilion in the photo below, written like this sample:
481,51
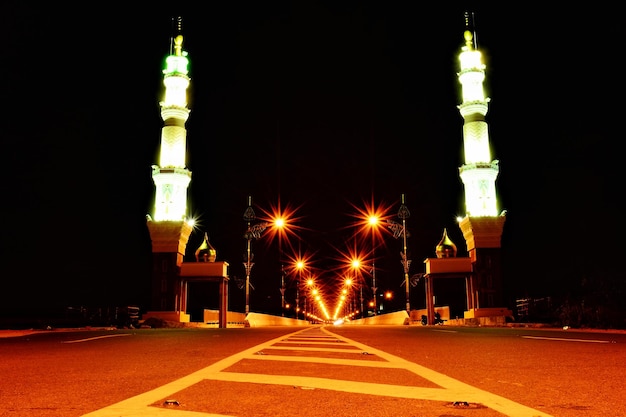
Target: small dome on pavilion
206,252
446,248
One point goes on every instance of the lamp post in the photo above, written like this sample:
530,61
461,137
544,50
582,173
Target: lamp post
252,232
356,266
373,222
315,304
279,224
403,214
282,289
309,285
299,266
348,291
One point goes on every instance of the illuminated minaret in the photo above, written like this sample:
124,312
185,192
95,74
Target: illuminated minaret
482,226
479,172
171,177
169,229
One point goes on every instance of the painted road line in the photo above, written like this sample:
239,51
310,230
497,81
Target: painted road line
447,389
564,339
89,339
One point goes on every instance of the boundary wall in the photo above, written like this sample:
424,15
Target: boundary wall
398,318
260,320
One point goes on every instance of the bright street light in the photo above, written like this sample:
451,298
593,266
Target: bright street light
403,214
280,221
370,219
252,232
373,222
300,265
356,266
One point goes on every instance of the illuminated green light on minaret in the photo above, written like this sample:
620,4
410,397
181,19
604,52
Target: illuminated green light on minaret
171,177
479,172
175,76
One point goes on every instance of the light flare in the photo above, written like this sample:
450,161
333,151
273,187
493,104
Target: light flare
281,225
371,221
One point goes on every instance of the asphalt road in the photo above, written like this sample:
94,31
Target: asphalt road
393,371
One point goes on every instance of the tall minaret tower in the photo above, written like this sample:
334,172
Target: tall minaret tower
169,229
479,172
482,226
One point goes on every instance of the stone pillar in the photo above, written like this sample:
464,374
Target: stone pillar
169,242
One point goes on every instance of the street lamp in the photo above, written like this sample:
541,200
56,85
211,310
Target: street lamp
356,266
348,290
279,224
252,232
373,222
403,214
370,218
314,298
299,266
282,289
309,284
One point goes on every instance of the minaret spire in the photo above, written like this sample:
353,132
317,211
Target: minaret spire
169,227
483,225
479,172
470,41
171,176
177,29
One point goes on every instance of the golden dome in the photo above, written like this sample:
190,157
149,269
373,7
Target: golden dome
206,252
446,248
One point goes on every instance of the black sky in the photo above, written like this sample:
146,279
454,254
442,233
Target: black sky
320,104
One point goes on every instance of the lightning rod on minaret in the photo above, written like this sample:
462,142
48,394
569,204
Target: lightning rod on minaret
474,31
177,28
470,25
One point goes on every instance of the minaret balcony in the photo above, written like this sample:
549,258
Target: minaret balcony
491,166
473,107
156,170
174,112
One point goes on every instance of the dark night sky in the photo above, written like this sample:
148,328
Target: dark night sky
320,104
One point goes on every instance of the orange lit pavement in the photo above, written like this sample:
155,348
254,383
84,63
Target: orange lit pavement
310,372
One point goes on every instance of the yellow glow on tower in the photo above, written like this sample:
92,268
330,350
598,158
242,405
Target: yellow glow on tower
479,172
171,177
